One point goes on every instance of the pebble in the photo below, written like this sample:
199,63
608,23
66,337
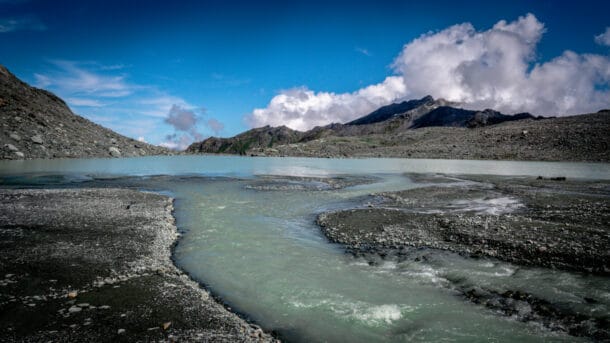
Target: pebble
74,309
120,331
37,139
104,307
15,137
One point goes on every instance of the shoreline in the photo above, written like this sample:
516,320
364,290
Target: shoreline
71,272
527,221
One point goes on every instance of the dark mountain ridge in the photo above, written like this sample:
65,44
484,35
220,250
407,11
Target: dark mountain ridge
390,119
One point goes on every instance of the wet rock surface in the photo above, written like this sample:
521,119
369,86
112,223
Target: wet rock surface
560,224
95,265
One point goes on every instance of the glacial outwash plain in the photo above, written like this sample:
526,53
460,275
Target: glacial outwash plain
362,172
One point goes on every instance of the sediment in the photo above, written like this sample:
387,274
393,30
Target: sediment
95,265
537,222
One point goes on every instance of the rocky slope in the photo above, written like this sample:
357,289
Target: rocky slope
576,138
263,137
391,120
38,124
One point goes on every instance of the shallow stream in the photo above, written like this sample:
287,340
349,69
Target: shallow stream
262,253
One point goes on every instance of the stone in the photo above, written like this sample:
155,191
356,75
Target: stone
74,309
114,152
10,147
120,331
15,136
19,154
166,325
72,294
37,139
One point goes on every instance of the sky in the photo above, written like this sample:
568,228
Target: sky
172,72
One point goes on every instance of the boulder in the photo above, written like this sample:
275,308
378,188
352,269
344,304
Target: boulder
37,139
10,147
114,151
15,136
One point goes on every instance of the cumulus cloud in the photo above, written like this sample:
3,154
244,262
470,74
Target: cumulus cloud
495,68
604,38
301,108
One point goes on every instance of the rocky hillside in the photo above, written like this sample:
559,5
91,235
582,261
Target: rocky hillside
388,120
38,124
576,138
263,137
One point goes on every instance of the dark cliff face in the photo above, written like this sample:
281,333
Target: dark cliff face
38,124
389,111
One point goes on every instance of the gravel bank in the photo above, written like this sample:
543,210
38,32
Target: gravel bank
576,138
95,265
560,224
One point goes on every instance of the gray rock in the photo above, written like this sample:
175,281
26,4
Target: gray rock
10,147
114,152
15,136
19,154
74,309
37,139
120,331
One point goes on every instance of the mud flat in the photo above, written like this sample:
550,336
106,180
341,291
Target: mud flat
535,222
95,265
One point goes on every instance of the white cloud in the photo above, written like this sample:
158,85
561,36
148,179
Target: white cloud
363,51
302,108
493,69
84,102
73,78
481,69
103,94
604,38
28,23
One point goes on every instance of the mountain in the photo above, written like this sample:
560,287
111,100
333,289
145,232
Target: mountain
386,112
38,124
581,137
263,137
457,117
391,119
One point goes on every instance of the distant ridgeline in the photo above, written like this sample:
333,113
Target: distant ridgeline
390,119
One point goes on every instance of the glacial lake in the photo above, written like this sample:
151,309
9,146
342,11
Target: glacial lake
262,253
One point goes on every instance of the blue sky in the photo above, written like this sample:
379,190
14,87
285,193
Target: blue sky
182,70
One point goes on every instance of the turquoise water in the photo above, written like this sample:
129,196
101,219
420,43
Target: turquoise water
262,253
